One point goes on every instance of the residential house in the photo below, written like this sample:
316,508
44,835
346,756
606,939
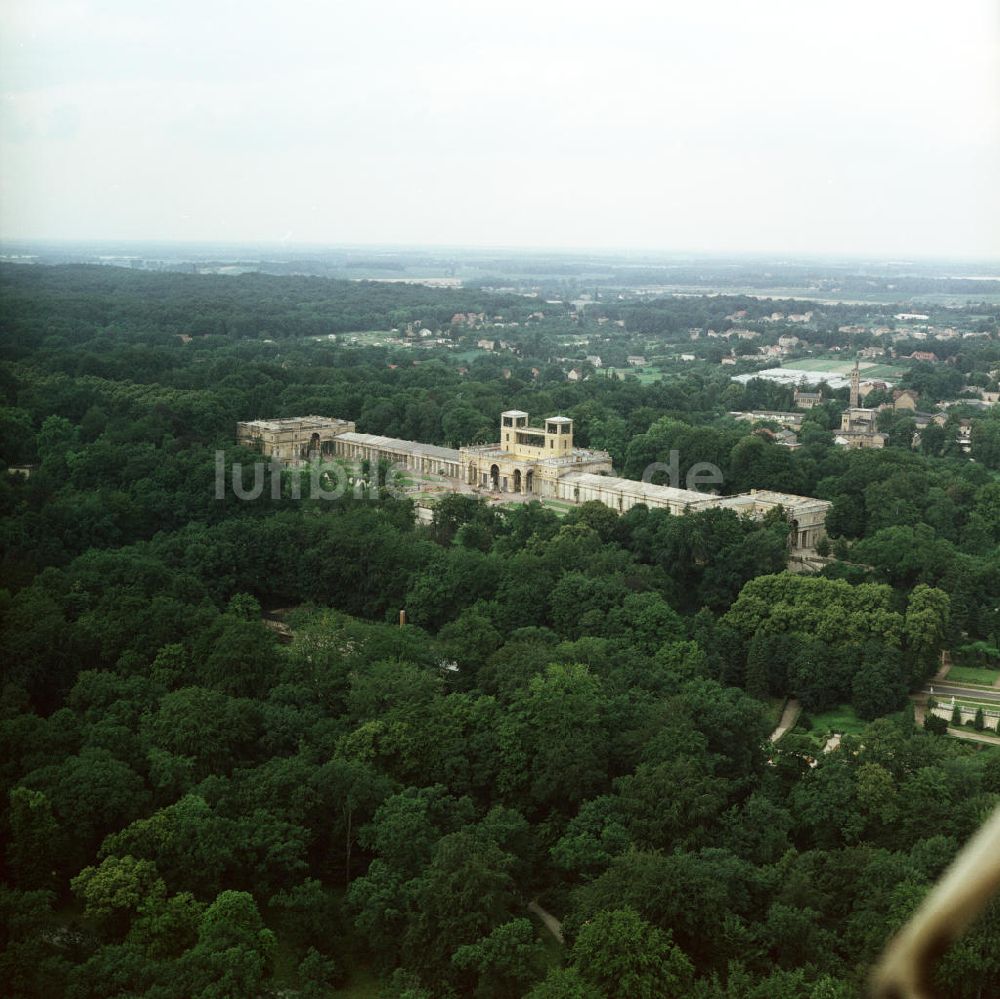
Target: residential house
867,387
791,421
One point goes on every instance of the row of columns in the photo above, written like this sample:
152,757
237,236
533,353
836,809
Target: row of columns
523,481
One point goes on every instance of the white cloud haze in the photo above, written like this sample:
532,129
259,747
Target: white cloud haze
866,127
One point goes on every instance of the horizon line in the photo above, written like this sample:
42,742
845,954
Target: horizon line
286,246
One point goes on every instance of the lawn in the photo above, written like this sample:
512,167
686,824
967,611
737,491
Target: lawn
409,477
890,371
646,375
835,365
558,507
974,674
969,702
842,719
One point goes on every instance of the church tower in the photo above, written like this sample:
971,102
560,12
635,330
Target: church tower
855,386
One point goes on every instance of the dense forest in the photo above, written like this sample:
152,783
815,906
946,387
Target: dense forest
576,713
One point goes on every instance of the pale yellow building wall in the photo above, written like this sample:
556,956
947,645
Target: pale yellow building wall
292,440
554,470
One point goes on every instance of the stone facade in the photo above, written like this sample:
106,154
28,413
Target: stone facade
807,400
623,494
859,426
540,462
806,515
291,441
859,429
425,458
529,460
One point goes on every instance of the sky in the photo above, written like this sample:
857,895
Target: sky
787,126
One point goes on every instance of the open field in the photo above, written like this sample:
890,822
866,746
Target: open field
646,375
887,371
842,719
469,355
973,674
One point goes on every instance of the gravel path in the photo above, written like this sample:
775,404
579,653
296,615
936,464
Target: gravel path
551,923
788,718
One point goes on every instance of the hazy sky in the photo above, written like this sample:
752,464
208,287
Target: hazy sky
869,126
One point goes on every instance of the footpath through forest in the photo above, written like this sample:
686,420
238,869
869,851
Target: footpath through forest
551,923
788,718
